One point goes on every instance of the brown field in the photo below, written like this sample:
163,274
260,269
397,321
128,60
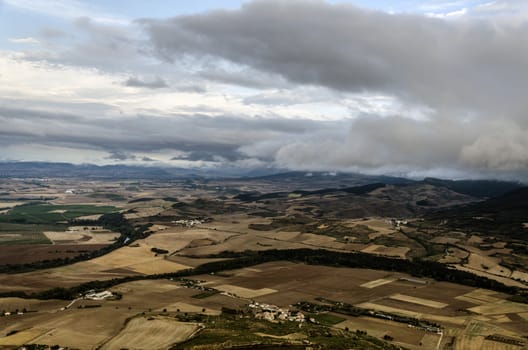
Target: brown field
241,243
121,262
75,328
444,240
499,308
145,212
186,307
82,235
479,343
460,320
520,275
382,226
505,280
151,333
487,264
454,255
481,296
23,254
7,205
378,328
387,251
176,239
284,284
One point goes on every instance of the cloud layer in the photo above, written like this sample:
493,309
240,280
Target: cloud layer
291,84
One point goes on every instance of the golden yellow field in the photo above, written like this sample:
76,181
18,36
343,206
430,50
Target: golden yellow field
151,333
378,282
245,292
419,301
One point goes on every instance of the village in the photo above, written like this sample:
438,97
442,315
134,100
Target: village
274,313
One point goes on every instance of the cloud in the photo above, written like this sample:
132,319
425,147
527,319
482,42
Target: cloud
27,40
462,65
294,84
68,9
120,155
156,83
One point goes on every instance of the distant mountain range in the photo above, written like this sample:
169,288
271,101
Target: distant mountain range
298,180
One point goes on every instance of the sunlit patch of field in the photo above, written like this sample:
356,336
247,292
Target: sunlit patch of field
458,320
500,308
400,252
319,241
291,336
186,307
419,301
379,328
520,275
245,292
505,280
151,333
76,328
480,343
144,212
22,337
82,235
480,296
488,264
7,205
382,226
175,239
94,217
378,282
139,259
453,255
125,261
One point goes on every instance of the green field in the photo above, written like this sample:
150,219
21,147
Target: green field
51,214
244,332
24,224
328,319
11,234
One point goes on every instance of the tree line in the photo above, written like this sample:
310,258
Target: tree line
237,260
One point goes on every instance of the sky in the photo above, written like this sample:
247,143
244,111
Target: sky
408,88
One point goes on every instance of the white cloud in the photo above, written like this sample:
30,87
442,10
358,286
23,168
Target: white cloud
27,40
67,9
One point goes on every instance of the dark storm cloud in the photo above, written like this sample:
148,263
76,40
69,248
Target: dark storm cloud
470,73
199,135
156,83
469,64
120,155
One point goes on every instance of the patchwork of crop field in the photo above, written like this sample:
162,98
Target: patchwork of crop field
51,214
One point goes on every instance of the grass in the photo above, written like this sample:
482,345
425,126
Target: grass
11,234
25,224
51,214
328,319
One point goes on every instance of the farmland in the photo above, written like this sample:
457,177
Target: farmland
50,214
179,226
287,284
